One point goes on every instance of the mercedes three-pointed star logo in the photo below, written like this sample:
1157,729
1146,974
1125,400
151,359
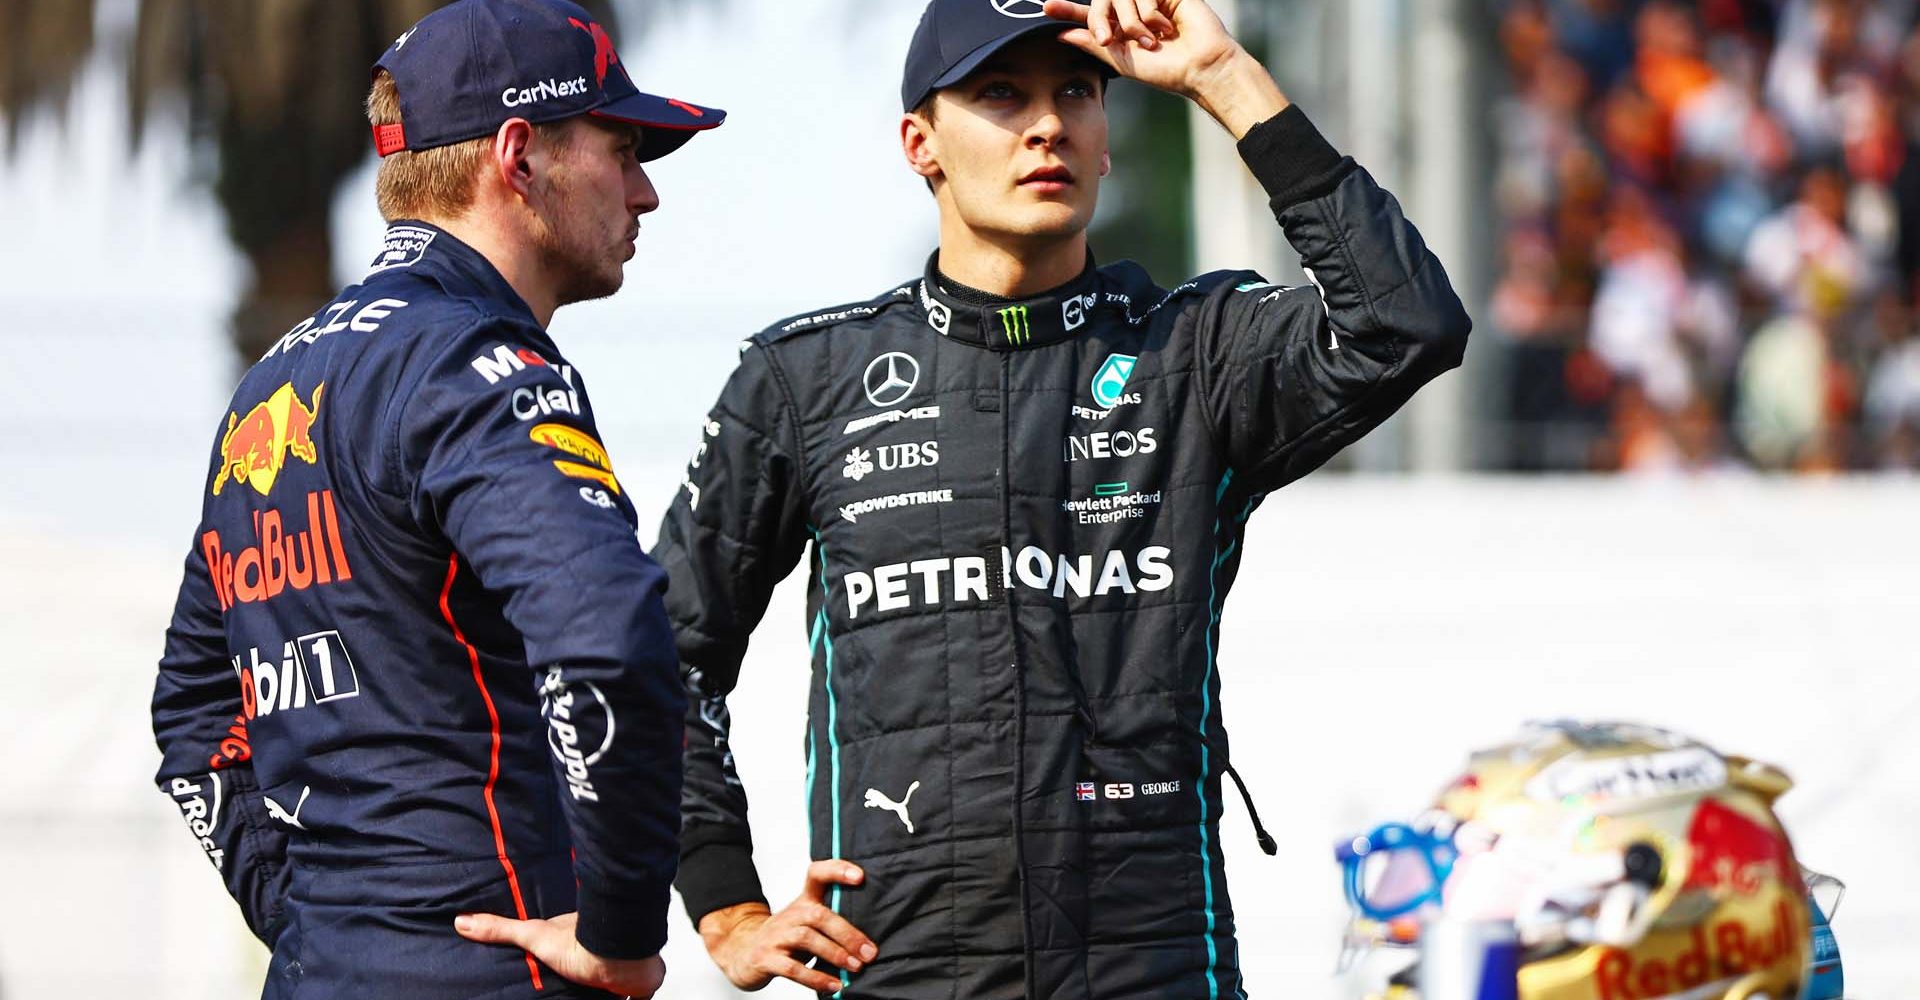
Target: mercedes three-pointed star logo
891,378
1021,8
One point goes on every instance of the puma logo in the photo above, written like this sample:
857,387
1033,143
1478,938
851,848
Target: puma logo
275,810
877,799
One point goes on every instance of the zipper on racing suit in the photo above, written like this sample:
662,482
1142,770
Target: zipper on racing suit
1019,674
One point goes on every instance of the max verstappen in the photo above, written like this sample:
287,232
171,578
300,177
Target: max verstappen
1025,479
413,547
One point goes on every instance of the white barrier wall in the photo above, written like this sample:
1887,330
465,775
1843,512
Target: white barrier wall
1381,628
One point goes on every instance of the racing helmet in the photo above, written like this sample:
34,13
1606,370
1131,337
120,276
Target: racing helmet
1620,861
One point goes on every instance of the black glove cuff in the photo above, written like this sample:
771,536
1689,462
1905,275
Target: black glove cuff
1291,159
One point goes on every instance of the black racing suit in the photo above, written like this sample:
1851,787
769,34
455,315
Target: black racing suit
1024,518
412,548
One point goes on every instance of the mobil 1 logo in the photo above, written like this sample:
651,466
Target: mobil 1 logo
311,670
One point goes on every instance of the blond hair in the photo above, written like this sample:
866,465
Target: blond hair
435,183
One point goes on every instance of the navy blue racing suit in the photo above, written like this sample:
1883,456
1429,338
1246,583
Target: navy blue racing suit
419,664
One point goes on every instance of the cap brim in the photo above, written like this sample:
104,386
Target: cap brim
668,123
972,60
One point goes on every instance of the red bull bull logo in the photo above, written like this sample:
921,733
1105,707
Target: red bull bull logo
256,445
279,560
603,54
1731,851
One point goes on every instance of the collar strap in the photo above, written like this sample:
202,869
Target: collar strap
1011,324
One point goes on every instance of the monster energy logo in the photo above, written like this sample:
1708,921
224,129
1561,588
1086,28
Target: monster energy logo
1013,320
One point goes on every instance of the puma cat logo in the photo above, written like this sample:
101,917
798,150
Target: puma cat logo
876,799
276,811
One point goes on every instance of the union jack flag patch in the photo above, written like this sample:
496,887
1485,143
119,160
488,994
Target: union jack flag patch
1084,791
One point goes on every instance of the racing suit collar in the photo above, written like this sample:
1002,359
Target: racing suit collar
1053,316
440,257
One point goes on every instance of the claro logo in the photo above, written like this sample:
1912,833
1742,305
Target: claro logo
962,579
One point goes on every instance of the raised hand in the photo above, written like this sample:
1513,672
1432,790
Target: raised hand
1169,44
1179,46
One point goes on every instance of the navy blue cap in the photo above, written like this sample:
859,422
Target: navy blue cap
956,36
468,67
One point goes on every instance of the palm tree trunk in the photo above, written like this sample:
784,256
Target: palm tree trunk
292,276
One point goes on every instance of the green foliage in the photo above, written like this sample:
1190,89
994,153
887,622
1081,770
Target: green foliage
1145,213
273,94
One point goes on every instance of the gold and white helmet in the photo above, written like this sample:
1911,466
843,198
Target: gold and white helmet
1630,863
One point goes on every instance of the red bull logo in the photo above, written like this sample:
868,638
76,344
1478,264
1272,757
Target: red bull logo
603,54
279,560
256,446
1723,952
1731,851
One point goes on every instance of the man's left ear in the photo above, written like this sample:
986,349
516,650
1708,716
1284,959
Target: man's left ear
1106,164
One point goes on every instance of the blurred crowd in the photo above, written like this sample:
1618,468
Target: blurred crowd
1710,235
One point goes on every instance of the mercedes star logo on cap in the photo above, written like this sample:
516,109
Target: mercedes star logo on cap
1021,8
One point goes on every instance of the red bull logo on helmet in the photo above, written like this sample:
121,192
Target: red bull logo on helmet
256,445
1719,955
1734,852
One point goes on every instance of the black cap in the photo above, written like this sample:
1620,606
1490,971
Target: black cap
956,36
469,67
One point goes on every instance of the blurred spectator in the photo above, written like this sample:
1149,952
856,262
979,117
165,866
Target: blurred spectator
1711,218
1781,376
1893,394
1803,255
